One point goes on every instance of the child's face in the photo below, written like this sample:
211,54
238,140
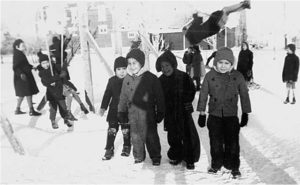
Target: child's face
134,66
166,68
223,66
121,72
45,64
245,46
289,51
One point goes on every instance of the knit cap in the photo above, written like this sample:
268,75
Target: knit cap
224,53
292,47
138,55
120,62
42,57
167,56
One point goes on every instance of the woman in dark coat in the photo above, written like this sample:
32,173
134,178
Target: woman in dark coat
24,82
179,92
245,62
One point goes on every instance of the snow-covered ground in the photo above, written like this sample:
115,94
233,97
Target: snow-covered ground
270,144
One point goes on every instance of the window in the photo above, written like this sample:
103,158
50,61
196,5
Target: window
102,29
131,35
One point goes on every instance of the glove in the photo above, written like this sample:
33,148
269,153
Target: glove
101,112
159,117
23,77
202,120
189,107
63,74
244,120
123,117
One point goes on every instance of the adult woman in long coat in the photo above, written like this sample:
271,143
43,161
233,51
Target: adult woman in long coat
245,62
24,82
195,73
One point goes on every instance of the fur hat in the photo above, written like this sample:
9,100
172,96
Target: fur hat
138,55
224,53
292,47
167,56
120,62
42,57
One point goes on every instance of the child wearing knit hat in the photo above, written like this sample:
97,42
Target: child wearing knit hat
142,104
111,97
290,72
223,85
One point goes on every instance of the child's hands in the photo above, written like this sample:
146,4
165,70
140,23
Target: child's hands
244,120
23,77
101,112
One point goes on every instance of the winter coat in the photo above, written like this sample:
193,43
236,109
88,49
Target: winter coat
111,97
179,90
223,90
54,92
245,63
290,68
196,65
22,66
141,97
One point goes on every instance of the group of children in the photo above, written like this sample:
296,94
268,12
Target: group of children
138,101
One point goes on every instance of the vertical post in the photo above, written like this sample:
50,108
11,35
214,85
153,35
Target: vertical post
225,37
83,29
116,34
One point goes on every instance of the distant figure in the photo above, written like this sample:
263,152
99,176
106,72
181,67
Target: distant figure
196,31
188,59
290,72
24,82
245,62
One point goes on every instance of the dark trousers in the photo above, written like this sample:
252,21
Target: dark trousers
224,142
197,79
180,142
61,104
112,131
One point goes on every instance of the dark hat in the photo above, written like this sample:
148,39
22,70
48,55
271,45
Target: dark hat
120,62
292,47
42,57
224,53
138,55
167,56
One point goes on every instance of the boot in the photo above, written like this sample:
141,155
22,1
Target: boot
190,166
294,100
71,117
156,162
33,112
174,162
286,100
68,123
54,124
83,108
108,154
18,111
126,151
212,170
246,4
236,174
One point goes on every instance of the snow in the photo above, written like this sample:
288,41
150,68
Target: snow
270,146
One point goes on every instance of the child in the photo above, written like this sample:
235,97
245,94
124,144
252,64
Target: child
245,62
290,72
223,84
198,31
111,97
54,91
142,103
179,91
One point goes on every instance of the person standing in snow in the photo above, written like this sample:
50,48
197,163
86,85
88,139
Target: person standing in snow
196,31
111,97
179,92
142,103
223,85
188,59
245,62
24,81
290,72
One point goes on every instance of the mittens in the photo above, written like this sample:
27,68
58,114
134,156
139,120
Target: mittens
123,117
202,120
159,117
244,120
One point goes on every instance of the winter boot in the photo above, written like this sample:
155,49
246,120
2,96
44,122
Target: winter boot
236,174
246,4
108,154
136,161
156,162
212,170
18,111
126,151
68,123
286,100
294,100
54,124
83,108
32,112
174,162
190,166
71,117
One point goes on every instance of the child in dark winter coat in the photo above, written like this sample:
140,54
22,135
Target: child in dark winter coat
54,93
196,31
223,85
179,91
245,62
111,97
290,72
142,103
